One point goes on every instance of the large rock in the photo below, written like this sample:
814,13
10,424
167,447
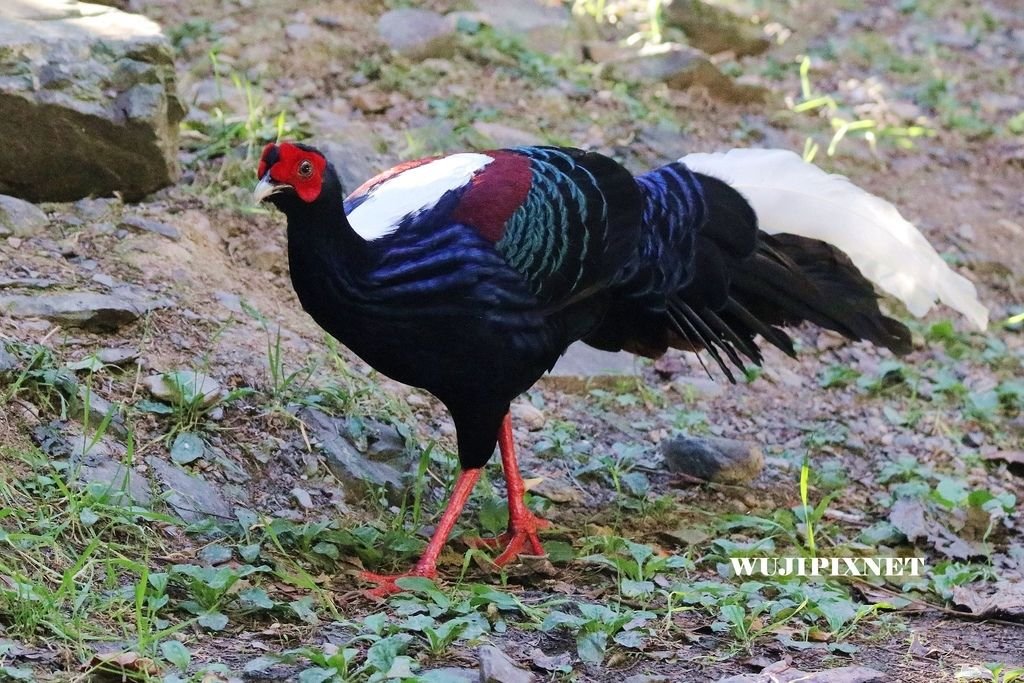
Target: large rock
714,29
89,102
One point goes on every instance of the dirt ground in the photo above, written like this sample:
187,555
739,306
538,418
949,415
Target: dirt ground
952,412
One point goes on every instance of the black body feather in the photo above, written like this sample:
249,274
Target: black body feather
476,314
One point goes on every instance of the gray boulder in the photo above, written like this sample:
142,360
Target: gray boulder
91,92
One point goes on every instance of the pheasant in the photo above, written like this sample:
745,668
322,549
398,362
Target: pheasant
468,275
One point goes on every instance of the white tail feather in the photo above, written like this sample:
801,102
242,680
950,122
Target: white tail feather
792,196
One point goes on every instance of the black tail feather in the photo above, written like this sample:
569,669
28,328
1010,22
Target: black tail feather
746,283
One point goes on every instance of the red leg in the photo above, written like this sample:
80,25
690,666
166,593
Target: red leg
427,565
523,525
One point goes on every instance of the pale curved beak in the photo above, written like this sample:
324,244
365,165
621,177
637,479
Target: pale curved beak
266,187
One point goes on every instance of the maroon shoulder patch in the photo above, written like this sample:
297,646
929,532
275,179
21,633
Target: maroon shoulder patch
494,194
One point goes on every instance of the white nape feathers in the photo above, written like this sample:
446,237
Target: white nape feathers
409,192
792,196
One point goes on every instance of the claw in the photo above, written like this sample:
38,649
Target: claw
523,531
386,584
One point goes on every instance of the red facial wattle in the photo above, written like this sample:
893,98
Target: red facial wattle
299,168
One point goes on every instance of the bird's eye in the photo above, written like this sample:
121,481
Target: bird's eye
306,169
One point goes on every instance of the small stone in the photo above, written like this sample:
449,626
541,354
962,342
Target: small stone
603,51
528,416
104,279
26,283
417,400
92,409
298,32
229,300
120,481
8,361
358,475
386,444
303,498
557,491
693,388
268,257
583,367
725,461
328,21
138,223
417,33
94,209
973,439
497,667
117,357
370,101
586,361
182,387
21,218
451,674
191,497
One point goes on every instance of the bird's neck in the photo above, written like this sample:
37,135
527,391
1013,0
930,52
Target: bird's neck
328,260
321,227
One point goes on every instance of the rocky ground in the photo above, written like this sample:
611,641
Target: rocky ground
192,475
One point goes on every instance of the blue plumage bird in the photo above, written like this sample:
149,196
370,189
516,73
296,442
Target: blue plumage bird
469,275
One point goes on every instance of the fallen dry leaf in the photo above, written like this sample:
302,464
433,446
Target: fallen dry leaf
1006,602
908,516
559,662
783,672
1013,457
124,666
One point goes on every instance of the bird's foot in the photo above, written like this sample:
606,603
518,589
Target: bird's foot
522,533
386,584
